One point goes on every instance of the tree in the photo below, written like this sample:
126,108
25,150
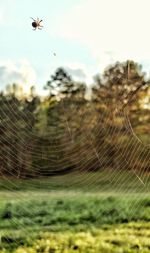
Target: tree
116,94
60,83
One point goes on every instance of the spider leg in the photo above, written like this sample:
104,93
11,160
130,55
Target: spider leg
33,19
40,21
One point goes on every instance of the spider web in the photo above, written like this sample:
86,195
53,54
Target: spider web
122,177
68,140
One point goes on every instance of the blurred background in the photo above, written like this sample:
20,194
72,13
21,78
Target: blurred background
74,126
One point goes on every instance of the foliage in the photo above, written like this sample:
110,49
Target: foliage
66,131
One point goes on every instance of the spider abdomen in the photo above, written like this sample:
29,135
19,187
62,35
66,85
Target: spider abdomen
34,24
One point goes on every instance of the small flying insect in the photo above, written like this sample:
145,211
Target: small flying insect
37,24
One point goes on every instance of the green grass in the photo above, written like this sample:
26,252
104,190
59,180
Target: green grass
117,181
123,238
95,212
131,237
71,210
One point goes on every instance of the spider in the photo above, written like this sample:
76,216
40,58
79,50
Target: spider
36,24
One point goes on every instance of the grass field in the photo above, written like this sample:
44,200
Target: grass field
92,212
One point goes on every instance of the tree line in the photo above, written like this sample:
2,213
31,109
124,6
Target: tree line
72,129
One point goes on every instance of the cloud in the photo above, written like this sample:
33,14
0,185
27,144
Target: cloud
20,73
79,72
111,30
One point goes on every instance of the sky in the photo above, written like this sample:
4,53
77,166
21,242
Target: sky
85,35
